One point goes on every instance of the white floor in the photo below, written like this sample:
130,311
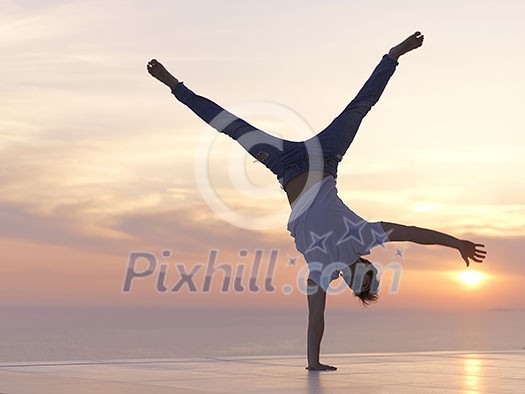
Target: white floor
432,372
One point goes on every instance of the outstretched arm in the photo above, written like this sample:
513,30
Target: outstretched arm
467,249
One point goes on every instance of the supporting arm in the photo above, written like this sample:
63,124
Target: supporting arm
316,306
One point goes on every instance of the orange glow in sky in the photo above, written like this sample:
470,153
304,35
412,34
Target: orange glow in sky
97,159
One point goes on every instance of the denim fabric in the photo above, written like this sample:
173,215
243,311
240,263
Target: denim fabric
287,159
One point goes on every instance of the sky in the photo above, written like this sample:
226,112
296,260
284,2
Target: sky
98,160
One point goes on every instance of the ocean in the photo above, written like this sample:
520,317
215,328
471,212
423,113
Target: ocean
52,334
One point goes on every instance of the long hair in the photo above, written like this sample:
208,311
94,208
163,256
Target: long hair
372,294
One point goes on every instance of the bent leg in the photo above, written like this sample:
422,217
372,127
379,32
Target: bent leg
338,136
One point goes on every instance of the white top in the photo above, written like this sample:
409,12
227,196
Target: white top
329,234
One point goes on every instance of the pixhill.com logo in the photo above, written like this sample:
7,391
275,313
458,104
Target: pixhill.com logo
255,274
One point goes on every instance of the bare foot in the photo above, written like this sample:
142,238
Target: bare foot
412,42
157,70
321,367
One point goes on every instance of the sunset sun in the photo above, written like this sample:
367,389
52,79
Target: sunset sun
471,278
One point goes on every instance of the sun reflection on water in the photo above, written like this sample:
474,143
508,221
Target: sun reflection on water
472,369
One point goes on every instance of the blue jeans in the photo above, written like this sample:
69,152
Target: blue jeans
287,159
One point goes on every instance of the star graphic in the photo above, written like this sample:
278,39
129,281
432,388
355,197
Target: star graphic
291,260
318,242
353,230
399,253
379,239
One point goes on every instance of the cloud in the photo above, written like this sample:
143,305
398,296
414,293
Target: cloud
191,230
61,228
95,155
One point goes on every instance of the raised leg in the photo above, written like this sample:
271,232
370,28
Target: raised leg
338,136
259,144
